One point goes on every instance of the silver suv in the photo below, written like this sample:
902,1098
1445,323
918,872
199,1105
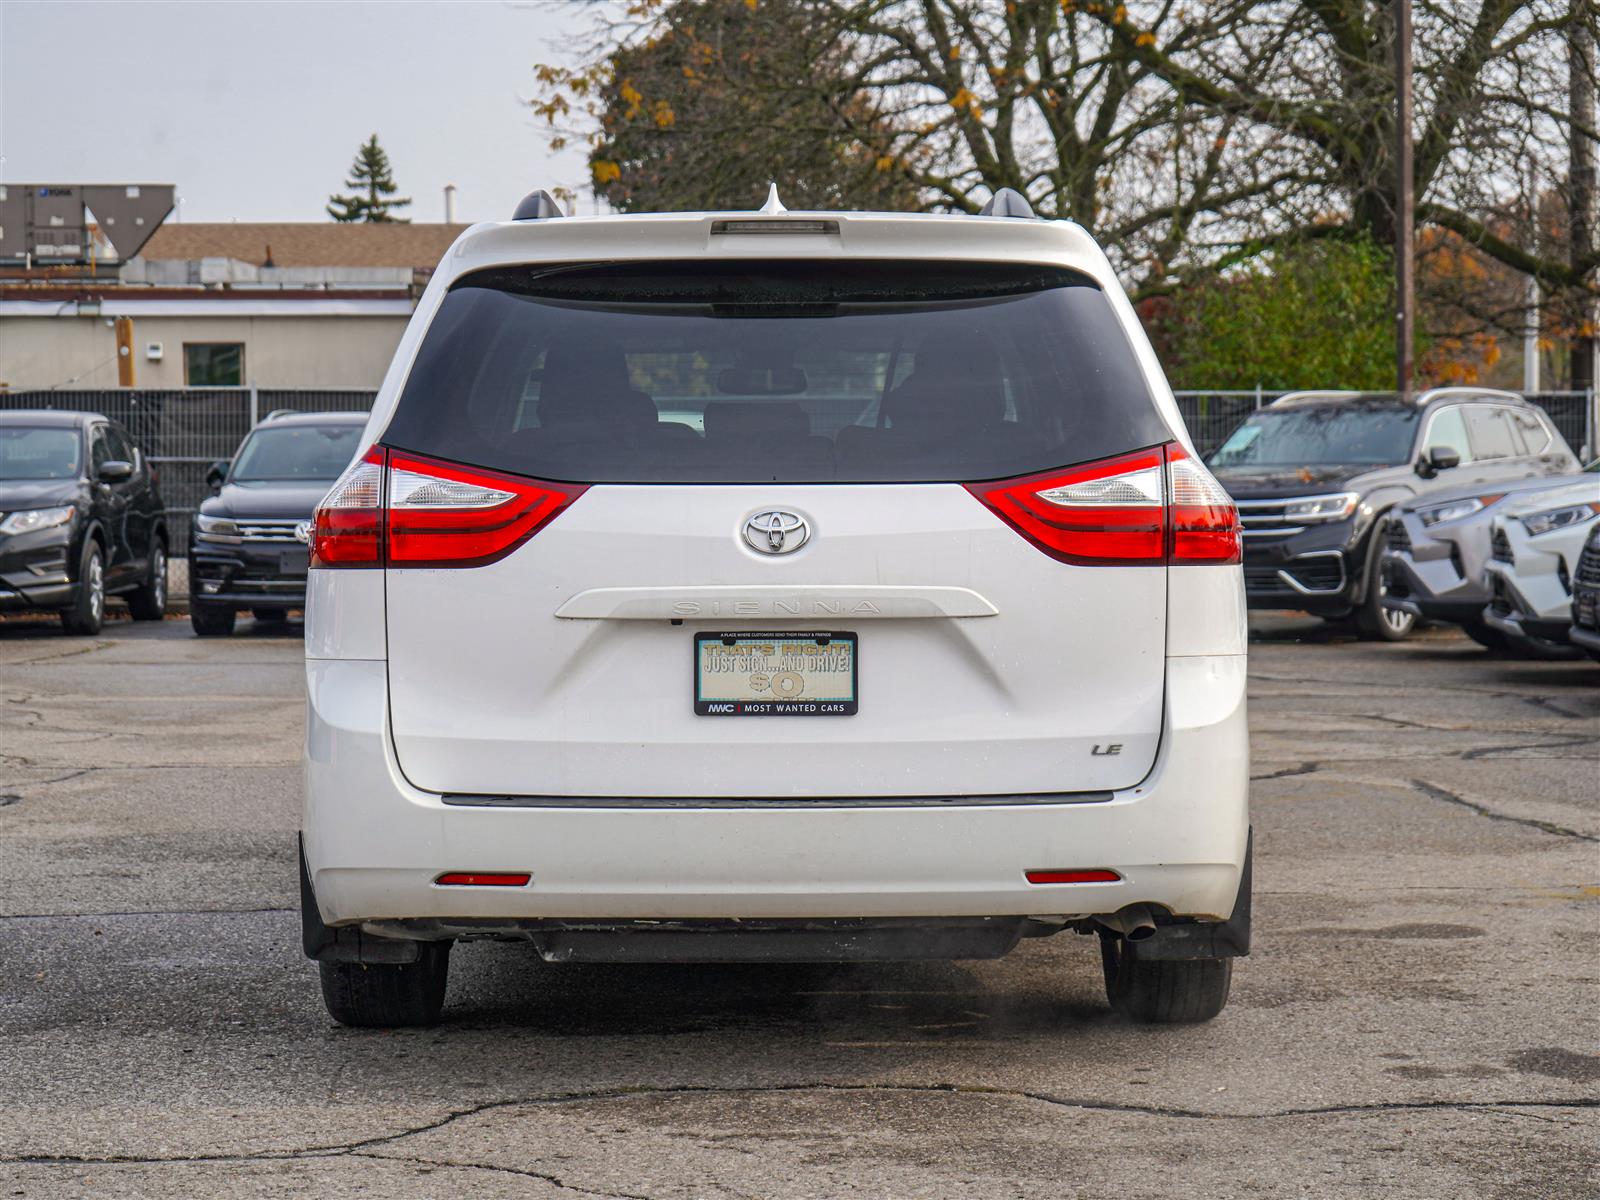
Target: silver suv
821,586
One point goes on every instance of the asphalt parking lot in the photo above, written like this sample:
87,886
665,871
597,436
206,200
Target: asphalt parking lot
1420,1018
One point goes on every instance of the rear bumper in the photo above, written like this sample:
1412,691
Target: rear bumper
374,844
247,576
1323,580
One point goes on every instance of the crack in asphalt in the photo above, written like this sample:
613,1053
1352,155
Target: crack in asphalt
1305,768
552,1180
356,1147
1435,792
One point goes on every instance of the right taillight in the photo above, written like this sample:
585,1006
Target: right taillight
404,510
1147,508
1204,519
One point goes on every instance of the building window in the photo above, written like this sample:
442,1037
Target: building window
213,364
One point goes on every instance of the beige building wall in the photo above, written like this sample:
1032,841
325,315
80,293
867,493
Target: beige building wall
279,351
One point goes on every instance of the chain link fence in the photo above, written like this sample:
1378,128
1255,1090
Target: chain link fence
184,431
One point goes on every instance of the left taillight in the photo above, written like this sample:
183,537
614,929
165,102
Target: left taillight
347,530
399,509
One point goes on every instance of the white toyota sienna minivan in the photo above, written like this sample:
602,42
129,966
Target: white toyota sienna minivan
775,587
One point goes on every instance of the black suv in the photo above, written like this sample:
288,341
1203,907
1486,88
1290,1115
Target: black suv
80,519
1314,474
247,548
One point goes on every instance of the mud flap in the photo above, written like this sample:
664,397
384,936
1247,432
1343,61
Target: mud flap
347,943
1208,939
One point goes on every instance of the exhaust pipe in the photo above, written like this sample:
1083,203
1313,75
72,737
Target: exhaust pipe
1133,921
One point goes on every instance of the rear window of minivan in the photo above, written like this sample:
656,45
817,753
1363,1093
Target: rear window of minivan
792,371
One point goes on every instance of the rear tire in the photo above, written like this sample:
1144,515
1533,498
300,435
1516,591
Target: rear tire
148,602
87,615
1373,621
211,620
1180,992
388,995
1485,635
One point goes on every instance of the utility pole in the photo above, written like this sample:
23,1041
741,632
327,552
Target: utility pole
1581,180
1530,313
1405,200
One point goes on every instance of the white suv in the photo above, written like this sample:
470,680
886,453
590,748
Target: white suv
1534,547
809,587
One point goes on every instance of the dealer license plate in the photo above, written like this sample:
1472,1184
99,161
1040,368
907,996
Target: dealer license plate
775,674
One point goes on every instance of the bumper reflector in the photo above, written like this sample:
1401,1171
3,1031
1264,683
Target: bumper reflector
1098,876
482,879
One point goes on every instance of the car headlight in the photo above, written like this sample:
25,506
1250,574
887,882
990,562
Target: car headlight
1322,508
216,529
1558,518
1453,510
29,520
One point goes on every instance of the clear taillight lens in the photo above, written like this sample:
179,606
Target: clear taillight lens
1141,509
404,510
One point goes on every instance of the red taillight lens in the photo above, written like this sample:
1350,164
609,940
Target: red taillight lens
347,530
444,515
1107,513
405,510
1142,509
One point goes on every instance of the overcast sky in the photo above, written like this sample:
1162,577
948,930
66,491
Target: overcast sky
255,108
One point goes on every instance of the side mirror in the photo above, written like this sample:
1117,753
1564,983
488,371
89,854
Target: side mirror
1438,458
216,473
115,470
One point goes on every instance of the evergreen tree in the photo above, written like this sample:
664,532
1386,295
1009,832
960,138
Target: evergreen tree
372,185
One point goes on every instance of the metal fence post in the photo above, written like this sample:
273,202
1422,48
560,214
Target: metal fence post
1258,395
1591,424
255,404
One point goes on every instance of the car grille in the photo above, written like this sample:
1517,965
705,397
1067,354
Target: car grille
264,530
1264,519
1500,547
1589,561
1398,536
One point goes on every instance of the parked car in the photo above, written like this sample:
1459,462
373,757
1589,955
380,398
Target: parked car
1534,546
1316,473
1585,631
248,547
763,587
1436,548
81,518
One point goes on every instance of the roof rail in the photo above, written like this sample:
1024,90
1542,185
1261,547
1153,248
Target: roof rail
1007,202
280,412
538,206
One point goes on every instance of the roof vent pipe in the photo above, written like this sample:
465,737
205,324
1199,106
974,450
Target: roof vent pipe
1007,202
537,206
449,204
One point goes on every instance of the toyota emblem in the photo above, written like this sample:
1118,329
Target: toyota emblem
776,532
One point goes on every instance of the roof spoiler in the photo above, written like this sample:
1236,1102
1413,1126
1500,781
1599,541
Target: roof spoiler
538,206
1007,202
